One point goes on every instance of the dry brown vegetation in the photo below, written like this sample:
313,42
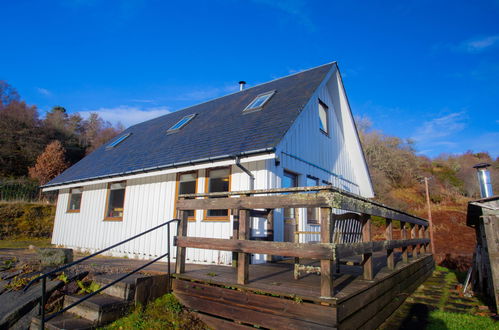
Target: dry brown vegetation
396,172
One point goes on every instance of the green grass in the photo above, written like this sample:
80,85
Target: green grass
24,243
163,313
444,320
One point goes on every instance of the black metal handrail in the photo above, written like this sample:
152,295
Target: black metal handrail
43,277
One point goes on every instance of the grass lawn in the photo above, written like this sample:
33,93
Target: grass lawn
24,243
444,320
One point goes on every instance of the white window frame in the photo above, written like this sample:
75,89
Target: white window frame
267,95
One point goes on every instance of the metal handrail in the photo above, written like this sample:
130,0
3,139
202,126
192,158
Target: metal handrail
43,277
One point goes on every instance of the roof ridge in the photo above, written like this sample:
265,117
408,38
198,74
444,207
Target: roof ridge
244,90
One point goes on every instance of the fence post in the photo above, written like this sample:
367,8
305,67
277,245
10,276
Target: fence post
390,261
327,290
243,258
403,235
422,247
414,230
367,258
181,232
235,233
270,231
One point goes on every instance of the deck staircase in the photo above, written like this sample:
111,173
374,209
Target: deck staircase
110,305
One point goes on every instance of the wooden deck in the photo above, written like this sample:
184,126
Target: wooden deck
273,299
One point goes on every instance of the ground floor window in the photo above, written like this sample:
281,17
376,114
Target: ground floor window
313,213
115,201
75,195
218,180
187,184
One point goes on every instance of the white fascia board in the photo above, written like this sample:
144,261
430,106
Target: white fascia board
186,168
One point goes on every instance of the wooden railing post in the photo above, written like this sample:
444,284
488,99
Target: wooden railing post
243,258
403,235
327,290
270,231
422,247
235,233
414,230
367,259
390,260
181,232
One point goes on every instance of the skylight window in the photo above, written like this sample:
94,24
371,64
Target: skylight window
118,141
259,101
181,123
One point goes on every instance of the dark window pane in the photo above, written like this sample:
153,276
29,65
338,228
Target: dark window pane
116,200
218,182
75,199
187,185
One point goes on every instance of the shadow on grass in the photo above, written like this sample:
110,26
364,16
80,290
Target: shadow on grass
418,318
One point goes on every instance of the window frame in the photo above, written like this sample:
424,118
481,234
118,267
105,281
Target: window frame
177,185
108,195
68,210
206,217
116,142
326,110
250,109
189,119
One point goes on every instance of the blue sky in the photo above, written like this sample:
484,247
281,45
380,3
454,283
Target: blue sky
426,70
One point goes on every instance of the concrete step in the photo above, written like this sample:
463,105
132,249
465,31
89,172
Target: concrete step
124,289
64,321
99,309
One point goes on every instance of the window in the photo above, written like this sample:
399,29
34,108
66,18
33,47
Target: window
118,141
75,199
115,201
312,212
323,118
259,102
289,180
181,123
217,180
186,184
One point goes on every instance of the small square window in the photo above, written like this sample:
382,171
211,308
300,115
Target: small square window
181,123
323,118
118,141
75,195
259,101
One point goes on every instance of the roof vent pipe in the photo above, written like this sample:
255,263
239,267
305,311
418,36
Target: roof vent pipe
241,85
484,180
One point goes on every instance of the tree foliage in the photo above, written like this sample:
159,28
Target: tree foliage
24,135
50,163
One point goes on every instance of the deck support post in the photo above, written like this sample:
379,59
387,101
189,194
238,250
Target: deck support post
414,230
422,247
403,235
243,258
270,232
390,260
235,233
327,290
367,258
181,232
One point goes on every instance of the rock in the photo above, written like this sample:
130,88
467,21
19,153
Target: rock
55,256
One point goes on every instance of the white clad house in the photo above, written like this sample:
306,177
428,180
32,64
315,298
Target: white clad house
294,131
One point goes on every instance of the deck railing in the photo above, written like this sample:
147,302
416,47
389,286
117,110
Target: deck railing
326,198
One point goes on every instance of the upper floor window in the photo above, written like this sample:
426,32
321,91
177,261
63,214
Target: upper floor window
323,117
75,199
115,201
118,141
259,101
181,123
217,180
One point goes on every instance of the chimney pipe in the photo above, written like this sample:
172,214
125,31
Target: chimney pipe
241,85
484,180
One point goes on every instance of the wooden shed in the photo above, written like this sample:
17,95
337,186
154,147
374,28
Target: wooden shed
483,215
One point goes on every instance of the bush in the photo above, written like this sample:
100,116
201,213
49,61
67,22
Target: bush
26,220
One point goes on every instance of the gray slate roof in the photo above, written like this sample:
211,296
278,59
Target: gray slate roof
219,130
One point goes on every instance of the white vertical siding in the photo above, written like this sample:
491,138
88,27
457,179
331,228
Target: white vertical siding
148,202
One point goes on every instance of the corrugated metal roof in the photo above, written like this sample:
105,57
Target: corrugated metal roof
220,128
